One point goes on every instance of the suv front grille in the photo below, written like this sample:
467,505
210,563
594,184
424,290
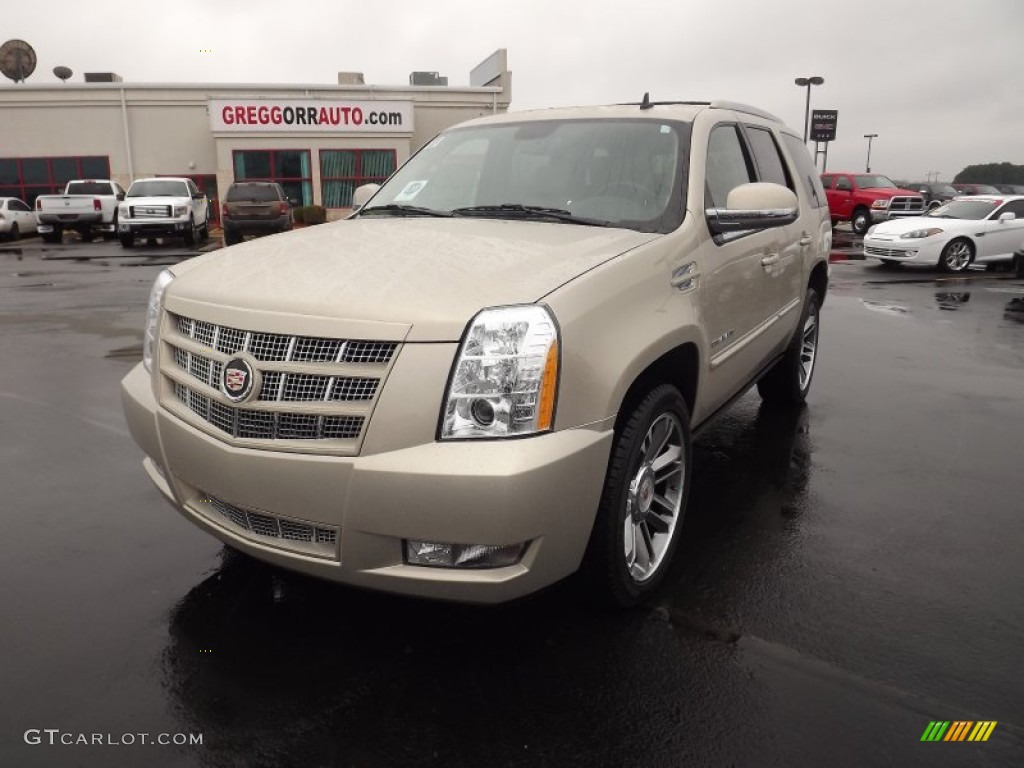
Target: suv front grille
273,530
311,388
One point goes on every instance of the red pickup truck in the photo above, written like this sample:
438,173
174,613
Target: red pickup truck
867,198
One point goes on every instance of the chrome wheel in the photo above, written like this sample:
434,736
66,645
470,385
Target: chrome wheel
957,256
654,498
808,347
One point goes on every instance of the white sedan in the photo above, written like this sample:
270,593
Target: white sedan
16,218
964,231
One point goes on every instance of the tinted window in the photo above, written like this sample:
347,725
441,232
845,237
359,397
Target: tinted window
727,166
964,209
255,193
17,205
770,166
865,181
158,188
89,188
805,170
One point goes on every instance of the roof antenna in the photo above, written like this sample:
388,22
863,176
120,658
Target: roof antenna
646,103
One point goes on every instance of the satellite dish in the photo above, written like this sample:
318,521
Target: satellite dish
63,73
17,60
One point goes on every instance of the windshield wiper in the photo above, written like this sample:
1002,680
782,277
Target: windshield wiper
529,211
404,210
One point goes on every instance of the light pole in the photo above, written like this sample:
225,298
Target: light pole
869,137
807,82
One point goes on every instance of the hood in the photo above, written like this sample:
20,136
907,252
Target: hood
909,224
430,274
163,200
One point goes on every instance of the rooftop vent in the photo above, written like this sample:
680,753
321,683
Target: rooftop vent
427,78
351,78
103,77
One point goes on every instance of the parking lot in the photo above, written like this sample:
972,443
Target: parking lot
849,571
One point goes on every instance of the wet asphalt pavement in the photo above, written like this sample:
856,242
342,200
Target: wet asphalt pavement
849,572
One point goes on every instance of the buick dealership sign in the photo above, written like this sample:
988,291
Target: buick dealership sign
310,116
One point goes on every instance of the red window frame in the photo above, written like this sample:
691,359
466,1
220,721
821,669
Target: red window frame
51,186
279,179
359,178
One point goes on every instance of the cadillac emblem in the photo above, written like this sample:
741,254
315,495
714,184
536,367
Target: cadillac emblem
237,379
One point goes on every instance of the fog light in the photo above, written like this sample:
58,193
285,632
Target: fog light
440,555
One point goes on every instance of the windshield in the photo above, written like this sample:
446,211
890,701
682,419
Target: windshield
158,188
977,189
623,173
865,181
89,188
965,209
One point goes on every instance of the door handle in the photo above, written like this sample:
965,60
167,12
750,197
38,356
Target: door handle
805,240
771,258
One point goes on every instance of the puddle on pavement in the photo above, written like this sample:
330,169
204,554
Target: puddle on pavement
951,302
131,352
884,307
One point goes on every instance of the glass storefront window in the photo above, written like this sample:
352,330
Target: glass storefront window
342,170
29,177
288,167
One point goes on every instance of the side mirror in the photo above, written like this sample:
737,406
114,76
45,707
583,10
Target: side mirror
1008,216
923,191
757,206
120,195
363,194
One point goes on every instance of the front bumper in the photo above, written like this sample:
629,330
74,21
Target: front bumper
153,227
922,251
543,490
257,226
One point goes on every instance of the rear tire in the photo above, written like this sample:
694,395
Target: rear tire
789,380
231,238
640,517
56,236
15,234
86,234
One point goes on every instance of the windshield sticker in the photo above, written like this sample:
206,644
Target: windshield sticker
410,190
665,129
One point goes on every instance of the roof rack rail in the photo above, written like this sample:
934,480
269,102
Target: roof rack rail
647,104
736,106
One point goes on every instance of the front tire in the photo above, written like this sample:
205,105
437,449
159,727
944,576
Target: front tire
789,380
127,241
190,234
640,516
956,256
15,233
860,222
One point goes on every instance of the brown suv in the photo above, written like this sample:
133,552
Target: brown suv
254,208
489,376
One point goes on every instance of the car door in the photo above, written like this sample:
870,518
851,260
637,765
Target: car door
784,282
22,214
1001,238
843,195
199,203
737,297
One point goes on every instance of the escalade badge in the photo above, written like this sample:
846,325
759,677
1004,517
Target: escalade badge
237,379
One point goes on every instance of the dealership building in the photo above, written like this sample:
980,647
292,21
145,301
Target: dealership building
318,141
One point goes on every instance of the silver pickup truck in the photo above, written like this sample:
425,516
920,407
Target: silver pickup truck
87,206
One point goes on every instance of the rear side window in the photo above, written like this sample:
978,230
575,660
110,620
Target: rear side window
806,170
770,166
727,167
255,193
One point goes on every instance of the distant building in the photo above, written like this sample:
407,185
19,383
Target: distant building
318,141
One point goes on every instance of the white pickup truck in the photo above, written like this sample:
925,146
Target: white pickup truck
167,206
87,206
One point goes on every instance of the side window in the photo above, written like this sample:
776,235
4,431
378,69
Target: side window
844,184
727,165
805,170
17,205
1015,207
770,165
192,188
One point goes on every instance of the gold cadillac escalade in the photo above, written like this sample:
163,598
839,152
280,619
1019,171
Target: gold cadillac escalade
488,377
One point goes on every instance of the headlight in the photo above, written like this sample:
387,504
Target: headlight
871,230
919,233
156,296
122,210
880,204
180,210
505,378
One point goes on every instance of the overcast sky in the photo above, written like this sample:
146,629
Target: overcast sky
940,81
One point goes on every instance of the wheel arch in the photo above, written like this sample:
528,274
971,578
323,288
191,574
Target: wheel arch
678,366
818,280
